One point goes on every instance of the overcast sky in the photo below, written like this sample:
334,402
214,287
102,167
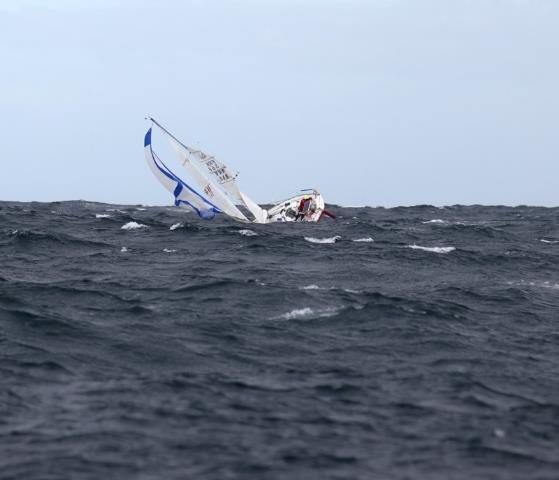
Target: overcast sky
377,102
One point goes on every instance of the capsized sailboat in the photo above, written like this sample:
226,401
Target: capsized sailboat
209,188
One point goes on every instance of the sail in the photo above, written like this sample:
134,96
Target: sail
210,189
215,180
218,172
184,194
260,215
221,176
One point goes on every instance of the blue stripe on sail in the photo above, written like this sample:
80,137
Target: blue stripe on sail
177,192
205,214
169,174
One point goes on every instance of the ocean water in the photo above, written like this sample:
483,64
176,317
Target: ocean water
406,343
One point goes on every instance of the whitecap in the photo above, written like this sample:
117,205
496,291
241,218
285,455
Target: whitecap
102,215
350,290
316,287
499,433
140,209
175,226
133,226
169,250
366,239
248,233
433,249
308,312
548,241
323,240
540,284
123,249
435,220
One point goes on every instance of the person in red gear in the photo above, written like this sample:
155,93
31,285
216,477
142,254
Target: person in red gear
301,210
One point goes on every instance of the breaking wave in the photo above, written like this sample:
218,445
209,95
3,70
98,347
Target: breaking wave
176,225
436,220
323,240
308,313
432,249
133,226
248,233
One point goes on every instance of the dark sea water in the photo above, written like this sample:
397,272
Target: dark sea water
216,350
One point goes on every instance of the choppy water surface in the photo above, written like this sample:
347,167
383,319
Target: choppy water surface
142,342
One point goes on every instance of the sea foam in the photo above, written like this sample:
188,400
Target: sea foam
308,312
432,249
248,233
435,220
323,240
133,226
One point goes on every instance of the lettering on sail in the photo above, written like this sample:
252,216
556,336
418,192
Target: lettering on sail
208,191
220,171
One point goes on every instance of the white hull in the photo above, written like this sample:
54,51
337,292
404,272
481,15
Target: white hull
289,210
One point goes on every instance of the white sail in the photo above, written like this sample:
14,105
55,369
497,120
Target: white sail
216,180
222,176
260,215
218,172
209,189
184,194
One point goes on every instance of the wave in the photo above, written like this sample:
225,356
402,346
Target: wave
537,284
316,287
248,233
228,320
102,215
133,226
365,239
435,220
32,237
432,249
307,313
323,240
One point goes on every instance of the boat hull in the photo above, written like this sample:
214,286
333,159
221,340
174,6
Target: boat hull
307,207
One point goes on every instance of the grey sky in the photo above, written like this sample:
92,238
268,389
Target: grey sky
379,102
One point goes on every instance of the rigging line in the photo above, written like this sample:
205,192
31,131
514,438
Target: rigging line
168,133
